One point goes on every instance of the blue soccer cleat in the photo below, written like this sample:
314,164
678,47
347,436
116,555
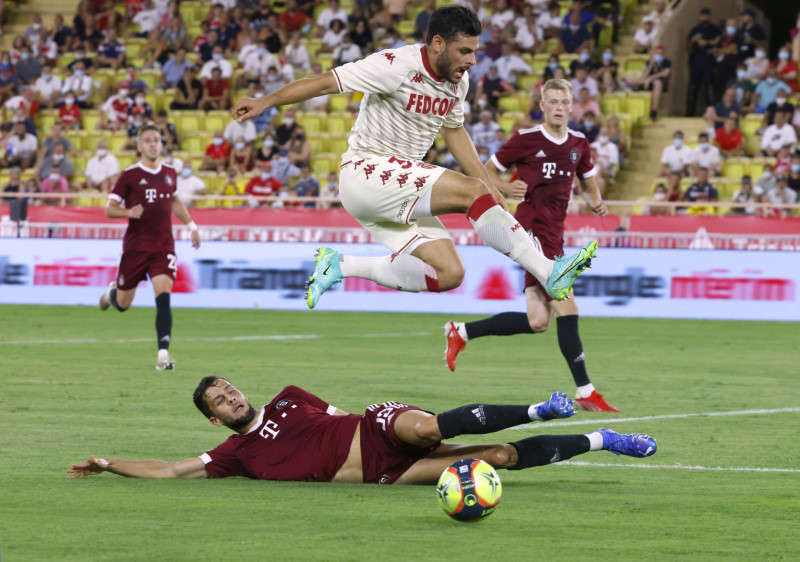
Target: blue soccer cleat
327,272
630,444
566,270
557,406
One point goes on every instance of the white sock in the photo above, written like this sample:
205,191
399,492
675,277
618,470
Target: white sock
396,271
532,411
585,391
595,441
462,330
163,355
500,230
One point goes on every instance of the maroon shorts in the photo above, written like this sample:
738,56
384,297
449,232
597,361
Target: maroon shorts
384,457
550,250
134,266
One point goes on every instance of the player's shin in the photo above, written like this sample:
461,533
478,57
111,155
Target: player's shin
500,230
112,298
572,349
547,449
163,320
481,418
503,324
396,271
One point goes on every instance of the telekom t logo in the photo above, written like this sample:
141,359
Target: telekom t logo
548,169
150,194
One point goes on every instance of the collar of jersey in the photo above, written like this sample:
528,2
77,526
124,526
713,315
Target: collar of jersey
426,63
260,420
553,139
148,170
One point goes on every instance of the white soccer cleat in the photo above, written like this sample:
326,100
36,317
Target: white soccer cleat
105,298
165,362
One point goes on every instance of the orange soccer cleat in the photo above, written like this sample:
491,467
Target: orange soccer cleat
595,403
455,343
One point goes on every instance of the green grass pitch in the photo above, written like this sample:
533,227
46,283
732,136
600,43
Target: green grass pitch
77,382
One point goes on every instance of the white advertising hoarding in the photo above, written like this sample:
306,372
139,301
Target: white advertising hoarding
621,282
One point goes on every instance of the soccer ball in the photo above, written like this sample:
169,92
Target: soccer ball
469,490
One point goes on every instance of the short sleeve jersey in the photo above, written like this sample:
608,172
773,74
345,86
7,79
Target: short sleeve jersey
549,166
155,191
296,437
405,102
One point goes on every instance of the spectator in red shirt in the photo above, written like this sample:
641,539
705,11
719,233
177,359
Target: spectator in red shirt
215,92
216,156
70,114
787,68
729,138
292,19
263,184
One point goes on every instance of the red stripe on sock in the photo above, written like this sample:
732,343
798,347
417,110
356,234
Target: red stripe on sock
432,283
480,206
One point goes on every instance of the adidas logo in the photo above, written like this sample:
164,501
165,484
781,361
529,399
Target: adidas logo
580,358
165,338
556,457
480,414
142,181
541,154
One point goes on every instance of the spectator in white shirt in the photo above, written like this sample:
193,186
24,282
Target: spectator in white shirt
256,64
332,12
676,157
334,36
297,55
147,19
483,131
550,22
101,169
48,87
319,103
607,153
189,185
583,80
502,16
217,61
235,130
347,51
660,15
706,155
757,66
509,64
79,85
21,147
777,135
645,36
528,35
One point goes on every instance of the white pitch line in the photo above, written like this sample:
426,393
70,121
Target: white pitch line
679,467
607,421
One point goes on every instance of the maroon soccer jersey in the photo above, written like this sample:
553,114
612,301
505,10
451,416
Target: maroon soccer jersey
548,165
297,437
155,191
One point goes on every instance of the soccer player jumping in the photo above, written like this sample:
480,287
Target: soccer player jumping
411,95
548,158
299,436
145,195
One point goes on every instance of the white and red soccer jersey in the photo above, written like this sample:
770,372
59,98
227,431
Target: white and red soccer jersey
297,437
549,166
155,191
405,102
116,108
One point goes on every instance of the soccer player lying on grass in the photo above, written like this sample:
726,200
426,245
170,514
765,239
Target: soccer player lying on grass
298,436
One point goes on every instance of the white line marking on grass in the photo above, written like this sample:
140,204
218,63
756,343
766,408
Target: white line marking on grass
607,421
680,467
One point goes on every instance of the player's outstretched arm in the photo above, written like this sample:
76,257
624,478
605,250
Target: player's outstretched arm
295,92
187,468
593,197
183,214
460,144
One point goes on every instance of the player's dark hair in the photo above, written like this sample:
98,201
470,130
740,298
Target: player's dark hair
199,395
450,21
147,127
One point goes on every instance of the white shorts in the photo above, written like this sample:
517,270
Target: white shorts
381,193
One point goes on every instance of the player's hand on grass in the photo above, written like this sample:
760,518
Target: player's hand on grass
88,468
136,211
195,239
247,108
515,189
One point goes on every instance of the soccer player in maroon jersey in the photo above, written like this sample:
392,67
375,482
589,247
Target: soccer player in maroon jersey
548,157
145,195
299,436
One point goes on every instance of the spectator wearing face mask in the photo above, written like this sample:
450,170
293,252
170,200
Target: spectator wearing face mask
256,61
245,131
793,180
777,136
706,155
267,150
216,155
20,148
54,182
101,169
216,92
69,114
787,68
780,103
607,154
287,129
584,60
115,111
749,35
743,87
78,86
676,157
188,186
659,196
282,167
757,65
589,126
263,184
299,149
573,37
645,36
747,195
583,104
48,87
729,138
28,68
654,78
218,60
241,157
716,114
767,180
550,23
768,89
188,92
140,108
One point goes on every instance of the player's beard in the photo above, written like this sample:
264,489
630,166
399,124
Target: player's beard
242,420
444,66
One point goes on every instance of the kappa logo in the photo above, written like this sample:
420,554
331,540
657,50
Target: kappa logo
386,175
420,181
368,169
516,227
403,178
541,154
357,164
389,56
417,78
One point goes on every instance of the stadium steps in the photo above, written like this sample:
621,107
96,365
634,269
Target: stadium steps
644,157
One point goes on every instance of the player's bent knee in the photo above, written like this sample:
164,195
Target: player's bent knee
539,324
502,456
450,277
427,429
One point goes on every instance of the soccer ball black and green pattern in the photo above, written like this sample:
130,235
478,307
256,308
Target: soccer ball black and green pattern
469,490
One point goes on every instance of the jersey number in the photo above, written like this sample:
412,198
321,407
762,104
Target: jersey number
171,259
404,164
270,429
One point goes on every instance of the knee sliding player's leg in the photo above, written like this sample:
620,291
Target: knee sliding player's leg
163,320
112,298
546,449
481,418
